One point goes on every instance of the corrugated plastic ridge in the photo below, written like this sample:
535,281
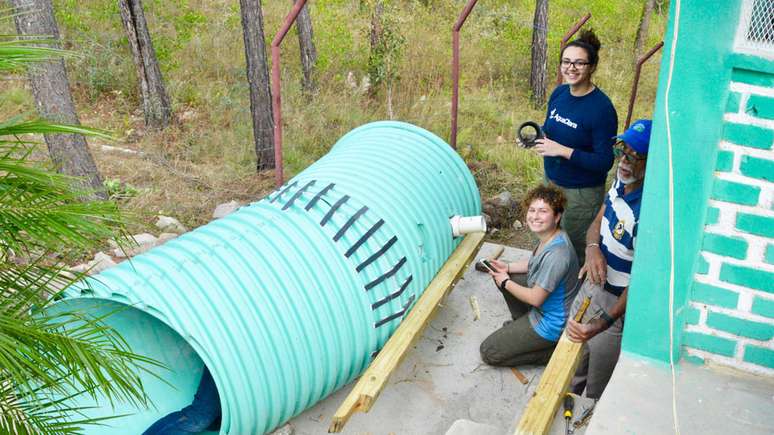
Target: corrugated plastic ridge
321,308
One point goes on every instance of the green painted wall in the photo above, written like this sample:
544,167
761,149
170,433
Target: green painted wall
738,329
698,99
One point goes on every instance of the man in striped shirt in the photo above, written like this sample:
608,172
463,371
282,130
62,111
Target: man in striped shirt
610,244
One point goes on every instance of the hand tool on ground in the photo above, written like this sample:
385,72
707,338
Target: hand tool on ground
569,404
520,376
584,417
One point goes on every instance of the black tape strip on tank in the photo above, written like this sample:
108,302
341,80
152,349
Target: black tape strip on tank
386,275
377,254
392,296
333,209
349,223
318,196
392,317
363,239
290,186
297,194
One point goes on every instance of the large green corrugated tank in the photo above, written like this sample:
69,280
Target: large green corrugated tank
289,298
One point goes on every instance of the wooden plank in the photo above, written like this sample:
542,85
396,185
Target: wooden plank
371,383
542,407
497,253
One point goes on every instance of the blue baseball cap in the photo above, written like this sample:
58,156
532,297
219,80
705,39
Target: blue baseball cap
637,135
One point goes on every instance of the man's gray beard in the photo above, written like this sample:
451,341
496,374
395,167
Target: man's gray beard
628,180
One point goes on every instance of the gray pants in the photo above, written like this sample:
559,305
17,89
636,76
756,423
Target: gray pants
516,343
600,354
582,207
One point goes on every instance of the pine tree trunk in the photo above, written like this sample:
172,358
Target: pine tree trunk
377,48
537,76
155,101
53,101
258,78
306,46
642,30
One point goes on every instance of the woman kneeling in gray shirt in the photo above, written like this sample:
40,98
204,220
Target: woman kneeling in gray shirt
538,291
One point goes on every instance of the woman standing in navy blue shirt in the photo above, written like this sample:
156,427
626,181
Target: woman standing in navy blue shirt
580,125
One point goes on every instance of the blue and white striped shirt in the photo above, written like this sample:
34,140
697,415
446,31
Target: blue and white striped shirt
618,233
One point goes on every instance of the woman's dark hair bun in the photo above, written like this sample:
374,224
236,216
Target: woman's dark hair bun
588,41
589,37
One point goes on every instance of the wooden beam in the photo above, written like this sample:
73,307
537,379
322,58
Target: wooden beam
371,383
542,407
497,252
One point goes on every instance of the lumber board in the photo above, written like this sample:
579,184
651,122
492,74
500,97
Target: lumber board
541,409
372,382
497,252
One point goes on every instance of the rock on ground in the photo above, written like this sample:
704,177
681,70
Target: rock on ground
142,242
170,225
225,209
165,237
502,210
100,262
287,429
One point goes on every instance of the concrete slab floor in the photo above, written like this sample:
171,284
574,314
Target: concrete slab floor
710,400
442,379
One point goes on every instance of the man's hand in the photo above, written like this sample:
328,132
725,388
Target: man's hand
549,148
595,266
581,332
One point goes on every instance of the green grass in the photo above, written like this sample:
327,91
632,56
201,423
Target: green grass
200,48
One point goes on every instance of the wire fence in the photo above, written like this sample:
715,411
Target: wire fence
757,26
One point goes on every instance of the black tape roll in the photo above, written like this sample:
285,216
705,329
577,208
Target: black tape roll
527,139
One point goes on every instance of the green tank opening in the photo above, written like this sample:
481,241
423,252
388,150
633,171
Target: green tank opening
173,389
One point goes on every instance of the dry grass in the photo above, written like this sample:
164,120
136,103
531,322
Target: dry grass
208,157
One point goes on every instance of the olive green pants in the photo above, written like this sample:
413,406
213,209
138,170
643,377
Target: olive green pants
516,342
582,207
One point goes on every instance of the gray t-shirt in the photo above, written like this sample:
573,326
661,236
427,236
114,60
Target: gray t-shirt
555,269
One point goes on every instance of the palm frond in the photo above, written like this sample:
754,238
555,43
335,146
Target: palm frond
44,127
18,54
47,355
40,209
50,355
37,411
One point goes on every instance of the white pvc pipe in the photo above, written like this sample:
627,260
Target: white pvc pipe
462,225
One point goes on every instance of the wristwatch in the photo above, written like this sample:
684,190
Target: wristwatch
607,318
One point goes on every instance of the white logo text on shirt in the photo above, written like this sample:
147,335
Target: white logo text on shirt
555,116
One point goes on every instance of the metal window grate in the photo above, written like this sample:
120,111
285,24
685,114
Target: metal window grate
757,26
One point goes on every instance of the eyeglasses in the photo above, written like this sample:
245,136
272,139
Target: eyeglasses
619,150
579,64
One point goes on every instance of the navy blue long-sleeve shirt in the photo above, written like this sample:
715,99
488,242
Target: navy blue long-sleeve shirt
586,124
